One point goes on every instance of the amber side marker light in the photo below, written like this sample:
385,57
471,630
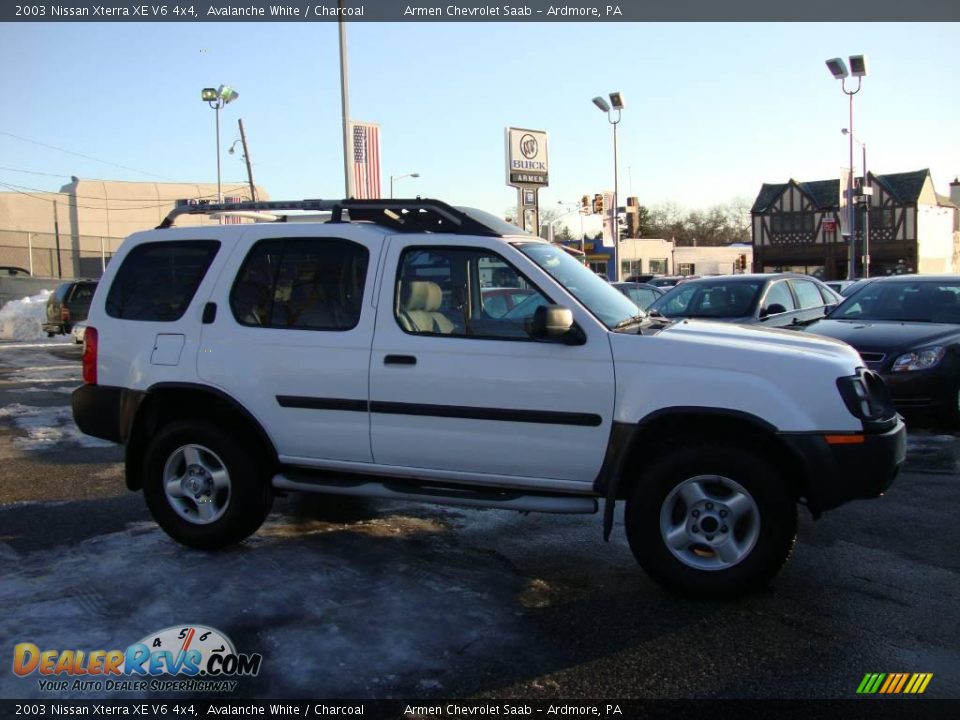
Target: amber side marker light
844,439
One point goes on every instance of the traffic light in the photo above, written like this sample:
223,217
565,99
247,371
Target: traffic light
598,204
742,263
585,204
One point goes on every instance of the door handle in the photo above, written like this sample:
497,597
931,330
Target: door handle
399,360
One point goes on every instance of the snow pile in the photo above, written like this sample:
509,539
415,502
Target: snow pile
22,319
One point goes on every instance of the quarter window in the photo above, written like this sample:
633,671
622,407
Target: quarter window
157,281
301,283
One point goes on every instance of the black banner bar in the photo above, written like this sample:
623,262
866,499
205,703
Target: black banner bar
192,11
187,708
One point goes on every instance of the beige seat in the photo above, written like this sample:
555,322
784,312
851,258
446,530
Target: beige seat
421,308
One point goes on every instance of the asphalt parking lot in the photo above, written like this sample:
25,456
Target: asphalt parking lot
401,600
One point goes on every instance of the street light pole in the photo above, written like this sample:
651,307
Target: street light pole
858,68
217,98
400,177
866,193
616,101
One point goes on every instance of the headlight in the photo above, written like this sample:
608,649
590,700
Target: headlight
865,395
918,360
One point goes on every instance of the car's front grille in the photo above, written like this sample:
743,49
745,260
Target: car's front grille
872,357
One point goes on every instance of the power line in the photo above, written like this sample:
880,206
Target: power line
159,204
86,157
33,172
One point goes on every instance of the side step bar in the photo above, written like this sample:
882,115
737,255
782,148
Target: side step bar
436,493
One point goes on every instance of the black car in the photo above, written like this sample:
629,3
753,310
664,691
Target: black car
907,328
641,293
783,300
68,305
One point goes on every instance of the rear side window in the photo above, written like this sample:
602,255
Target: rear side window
301,284
157,281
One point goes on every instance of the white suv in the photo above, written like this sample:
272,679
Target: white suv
353,355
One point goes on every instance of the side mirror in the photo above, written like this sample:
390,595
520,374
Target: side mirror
553,322
774,309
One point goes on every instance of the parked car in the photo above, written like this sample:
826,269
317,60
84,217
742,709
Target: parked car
671,280
770,299
641,293
844,287
907,328
236,362
783,300
643,278
67,305
498,301
13,271
78,332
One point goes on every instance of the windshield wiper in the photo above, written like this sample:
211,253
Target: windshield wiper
627,322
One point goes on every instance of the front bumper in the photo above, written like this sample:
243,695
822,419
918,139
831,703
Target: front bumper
839,473
932,389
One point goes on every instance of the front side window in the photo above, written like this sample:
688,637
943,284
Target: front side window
807,294
709,299
464,292
778,299
157,281
301,284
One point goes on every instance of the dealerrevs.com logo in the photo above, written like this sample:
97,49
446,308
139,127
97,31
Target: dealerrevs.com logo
186,658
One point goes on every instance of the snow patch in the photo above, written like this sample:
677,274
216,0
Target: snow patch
23,319
48,429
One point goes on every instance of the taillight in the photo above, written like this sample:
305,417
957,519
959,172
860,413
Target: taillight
90,356
64,313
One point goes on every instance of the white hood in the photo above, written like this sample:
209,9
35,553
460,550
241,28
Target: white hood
785,377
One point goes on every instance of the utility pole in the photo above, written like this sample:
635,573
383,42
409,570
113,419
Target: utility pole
345,106
246,156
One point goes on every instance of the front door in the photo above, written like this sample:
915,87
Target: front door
458,388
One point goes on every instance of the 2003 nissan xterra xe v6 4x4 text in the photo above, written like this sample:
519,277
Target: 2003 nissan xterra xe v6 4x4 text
351,353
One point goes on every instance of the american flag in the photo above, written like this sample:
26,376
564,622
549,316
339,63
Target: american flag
232,219
366,160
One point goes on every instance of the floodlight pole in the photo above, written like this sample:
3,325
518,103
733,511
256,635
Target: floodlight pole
216,108
851,274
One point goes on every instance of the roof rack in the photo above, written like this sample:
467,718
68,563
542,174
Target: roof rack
418,215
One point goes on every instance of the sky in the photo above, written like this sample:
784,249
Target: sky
713,110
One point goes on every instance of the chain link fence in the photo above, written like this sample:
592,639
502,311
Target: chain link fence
37,254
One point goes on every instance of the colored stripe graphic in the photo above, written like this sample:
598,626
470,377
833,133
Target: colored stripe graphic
894,683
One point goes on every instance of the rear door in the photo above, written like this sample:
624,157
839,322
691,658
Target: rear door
291,339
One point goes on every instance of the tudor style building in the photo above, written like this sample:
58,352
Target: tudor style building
796,227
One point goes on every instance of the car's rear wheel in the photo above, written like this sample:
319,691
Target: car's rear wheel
204,488
712,521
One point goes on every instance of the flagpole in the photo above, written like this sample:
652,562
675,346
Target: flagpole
345,106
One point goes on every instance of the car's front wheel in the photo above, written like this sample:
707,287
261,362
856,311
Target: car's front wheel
204,488
711,521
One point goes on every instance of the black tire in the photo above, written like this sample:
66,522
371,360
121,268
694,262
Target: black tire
948,414
762,537
242,509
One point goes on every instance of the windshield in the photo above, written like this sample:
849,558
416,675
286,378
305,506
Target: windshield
709,300
905,301
595,293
